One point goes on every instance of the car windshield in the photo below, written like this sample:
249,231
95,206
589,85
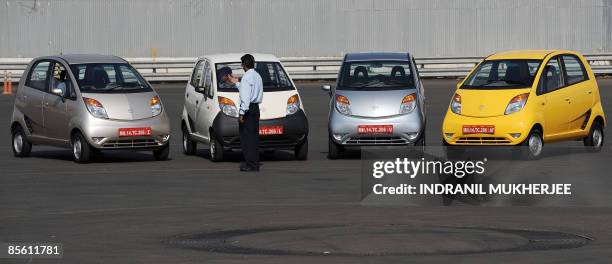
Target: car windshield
503,74
376,75
272,74
109,78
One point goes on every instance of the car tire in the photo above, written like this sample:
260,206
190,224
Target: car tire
216,149
595,140
82,152
334,150
162,153
190,147
532,147
301,150
21,145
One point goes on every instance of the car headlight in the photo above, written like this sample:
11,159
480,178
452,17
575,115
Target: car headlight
156,106
228,107
456,104
408,104
95,108
293,104
516,104
343,105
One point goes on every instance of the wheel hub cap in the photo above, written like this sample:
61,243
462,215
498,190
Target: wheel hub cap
597,138
76,149
535,145
18,143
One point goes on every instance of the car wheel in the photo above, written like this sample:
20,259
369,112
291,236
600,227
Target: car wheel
216,149
162,153
334,150
21,145
190,147
301,150
81,150
533,145
594,141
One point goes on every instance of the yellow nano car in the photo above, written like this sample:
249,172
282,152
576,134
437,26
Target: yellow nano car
527,97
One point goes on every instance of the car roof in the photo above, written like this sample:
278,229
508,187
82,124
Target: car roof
525,54
86,58
365,56
235,57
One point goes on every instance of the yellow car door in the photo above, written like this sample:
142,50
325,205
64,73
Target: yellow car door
556,101
580,91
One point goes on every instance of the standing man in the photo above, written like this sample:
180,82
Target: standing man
251,94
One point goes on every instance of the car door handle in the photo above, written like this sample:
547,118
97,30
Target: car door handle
197,101
590,92
187,95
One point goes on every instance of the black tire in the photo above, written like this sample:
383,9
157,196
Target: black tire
334,150
190,147
162,153
595,140
301,150
529,149
82,152
216,149
21,145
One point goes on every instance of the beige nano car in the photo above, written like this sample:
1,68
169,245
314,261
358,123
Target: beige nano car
87,103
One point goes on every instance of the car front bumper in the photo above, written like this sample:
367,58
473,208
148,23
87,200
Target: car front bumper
407,129
104,133
295,131
509,129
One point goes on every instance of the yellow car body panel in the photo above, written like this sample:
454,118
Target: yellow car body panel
563,114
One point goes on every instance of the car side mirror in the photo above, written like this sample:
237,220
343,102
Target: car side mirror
199,89
459,84
326,88
57,91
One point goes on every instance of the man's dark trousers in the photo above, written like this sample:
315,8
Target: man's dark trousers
249,136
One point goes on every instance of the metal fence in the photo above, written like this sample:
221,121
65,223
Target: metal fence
302,68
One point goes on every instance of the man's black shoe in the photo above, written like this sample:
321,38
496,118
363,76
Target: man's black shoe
249,169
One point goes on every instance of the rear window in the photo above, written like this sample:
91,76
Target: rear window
376,75
272,74
503,74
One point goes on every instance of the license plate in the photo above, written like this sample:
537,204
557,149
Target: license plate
375,129
478,129
135,132
271,130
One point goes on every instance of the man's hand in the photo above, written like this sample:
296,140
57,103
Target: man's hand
232,79
241,119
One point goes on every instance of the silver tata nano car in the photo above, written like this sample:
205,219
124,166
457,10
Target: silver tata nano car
88,103
378,101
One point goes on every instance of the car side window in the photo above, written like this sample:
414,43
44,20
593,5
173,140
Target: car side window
196,76
61,80
574,69
39,76
551,79
208,91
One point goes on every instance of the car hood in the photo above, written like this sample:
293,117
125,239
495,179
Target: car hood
375,103
487,102
125,106
273,105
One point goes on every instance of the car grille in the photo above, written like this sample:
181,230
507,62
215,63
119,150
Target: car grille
482,140
131,143
376,141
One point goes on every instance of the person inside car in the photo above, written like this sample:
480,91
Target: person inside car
224,74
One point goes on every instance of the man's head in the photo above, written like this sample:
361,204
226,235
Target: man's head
223,73
248,62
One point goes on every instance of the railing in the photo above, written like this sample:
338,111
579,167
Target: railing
302,68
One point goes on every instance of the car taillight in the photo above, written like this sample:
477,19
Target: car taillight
156,106
516,104
293,104
227,106
408,104
456,104
95,108
343,105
